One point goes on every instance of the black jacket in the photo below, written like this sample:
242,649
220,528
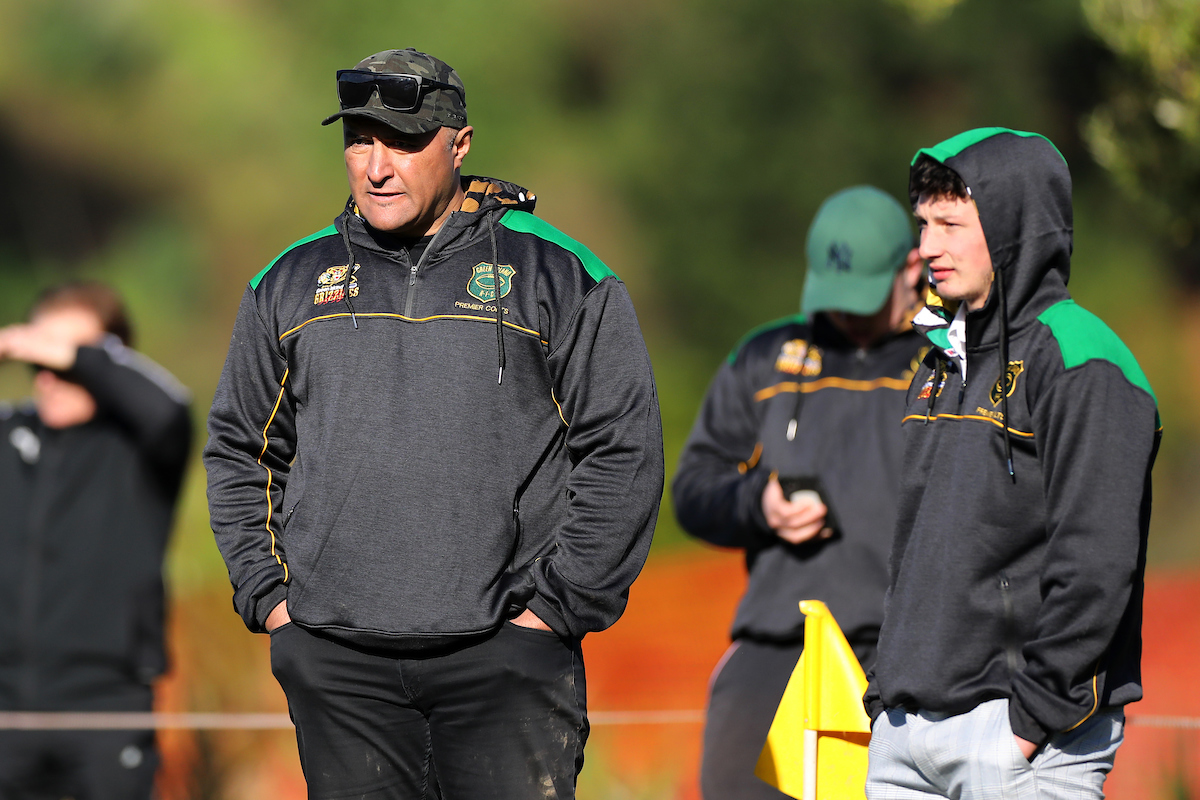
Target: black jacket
847,435
1025,585
365,463
87,511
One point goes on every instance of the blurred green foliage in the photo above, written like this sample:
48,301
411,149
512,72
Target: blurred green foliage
687,144
1147,129
174,148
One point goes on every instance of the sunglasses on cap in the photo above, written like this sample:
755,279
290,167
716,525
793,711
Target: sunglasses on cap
398,92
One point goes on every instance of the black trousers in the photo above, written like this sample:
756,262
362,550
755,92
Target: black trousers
84,765
743,696
504,718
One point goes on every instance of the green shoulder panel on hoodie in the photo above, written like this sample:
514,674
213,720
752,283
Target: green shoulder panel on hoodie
954,146
327,231
1082,337
524,222
795,319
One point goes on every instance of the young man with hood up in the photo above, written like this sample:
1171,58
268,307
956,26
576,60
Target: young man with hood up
434,463
813,396
1011,637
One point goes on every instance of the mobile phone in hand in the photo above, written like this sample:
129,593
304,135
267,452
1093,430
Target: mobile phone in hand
802,488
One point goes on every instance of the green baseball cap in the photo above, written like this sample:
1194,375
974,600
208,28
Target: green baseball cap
415,92
856,243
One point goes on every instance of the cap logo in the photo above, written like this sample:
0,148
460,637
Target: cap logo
838,257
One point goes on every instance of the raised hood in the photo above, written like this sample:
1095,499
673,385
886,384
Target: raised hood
1022,187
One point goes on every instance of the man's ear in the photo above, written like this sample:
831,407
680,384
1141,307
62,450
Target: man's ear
461,145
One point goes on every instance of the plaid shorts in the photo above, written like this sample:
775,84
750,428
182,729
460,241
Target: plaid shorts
973,756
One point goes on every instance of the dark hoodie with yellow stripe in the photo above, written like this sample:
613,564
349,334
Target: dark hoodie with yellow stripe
409,460
1021,579
797,398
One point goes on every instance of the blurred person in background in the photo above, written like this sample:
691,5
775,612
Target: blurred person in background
434,464
1012,636
795,458
90,472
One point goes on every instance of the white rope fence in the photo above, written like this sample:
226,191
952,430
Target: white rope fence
127,721
110,721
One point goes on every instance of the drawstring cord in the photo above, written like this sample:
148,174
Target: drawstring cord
499,310
793,423
1004,383
495,283
933,387
349,266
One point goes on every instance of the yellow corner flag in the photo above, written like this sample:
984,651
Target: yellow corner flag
817,746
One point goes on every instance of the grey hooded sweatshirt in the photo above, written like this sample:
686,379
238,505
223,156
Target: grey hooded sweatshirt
1020,576
408,459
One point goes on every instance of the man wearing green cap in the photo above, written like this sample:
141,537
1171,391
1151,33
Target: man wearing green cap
794,458
1012,636
434,464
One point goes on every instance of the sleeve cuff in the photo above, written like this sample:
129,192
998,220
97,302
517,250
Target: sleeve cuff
1024,725
549,615
872,703
266,604
753,488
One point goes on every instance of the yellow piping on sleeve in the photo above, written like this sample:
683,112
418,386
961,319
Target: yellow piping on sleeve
1095,705
752,461
556,405
270,475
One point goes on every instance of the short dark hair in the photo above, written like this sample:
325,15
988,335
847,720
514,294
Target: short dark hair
98,298
933,179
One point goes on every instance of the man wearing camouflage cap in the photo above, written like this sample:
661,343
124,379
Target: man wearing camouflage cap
434,463
795,458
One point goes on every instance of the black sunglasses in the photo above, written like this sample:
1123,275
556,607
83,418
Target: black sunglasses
397,91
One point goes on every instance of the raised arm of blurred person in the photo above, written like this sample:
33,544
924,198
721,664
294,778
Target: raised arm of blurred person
84,370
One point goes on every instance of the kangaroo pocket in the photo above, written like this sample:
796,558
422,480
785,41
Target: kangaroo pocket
957,619
429,572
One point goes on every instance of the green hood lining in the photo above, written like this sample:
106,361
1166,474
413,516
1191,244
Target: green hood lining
955,145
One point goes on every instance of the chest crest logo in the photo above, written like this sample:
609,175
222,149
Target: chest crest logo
798,357
791,357
927,389
331,287
1009,378
482,287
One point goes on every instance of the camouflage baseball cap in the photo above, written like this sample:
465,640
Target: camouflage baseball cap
858,240
437,105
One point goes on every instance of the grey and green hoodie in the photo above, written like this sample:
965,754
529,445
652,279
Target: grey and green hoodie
409,460
1021,576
